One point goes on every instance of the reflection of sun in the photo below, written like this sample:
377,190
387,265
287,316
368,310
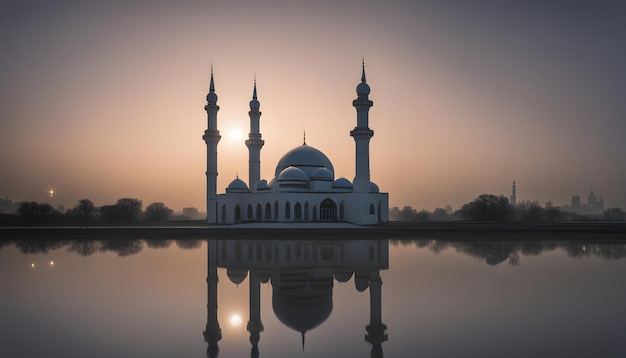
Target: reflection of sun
235,320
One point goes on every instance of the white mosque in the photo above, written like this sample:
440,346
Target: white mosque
304,188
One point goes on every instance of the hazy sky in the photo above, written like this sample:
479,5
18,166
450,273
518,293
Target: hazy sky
104,99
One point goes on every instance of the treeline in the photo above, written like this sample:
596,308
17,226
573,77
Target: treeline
125,211
489,207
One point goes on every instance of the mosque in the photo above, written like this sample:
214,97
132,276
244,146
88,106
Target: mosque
304,188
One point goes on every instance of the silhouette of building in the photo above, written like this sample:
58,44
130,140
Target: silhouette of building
304,188
513,195
593,206
301,275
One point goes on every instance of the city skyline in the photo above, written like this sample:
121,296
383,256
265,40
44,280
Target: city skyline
105,100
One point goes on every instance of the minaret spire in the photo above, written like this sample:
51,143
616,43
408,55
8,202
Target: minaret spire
363,70
211,138
254,141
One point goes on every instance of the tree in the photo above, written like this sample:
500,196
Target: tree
158,212
487,207
34,212
613,214
192,213
531,211
85,211
131,208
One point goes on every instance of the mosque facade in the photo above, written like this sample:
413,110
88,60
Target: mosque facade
304,187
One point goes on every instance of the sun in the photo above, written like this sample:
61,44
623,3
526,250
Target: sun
235,320
235,134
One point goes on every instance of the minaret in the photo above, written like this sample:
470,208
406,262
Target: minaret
254,142
362,134
211,137
255,326
212,333
513,195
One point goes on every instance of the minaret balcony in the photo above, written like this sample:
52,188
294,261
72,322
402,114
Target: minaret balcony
211,136
362,132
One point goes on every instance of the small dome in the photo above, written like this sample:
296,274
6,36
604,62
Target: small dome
362,89
343,276
342,183
237,185
262,185
374,188
292,174
306,158
322,174
211,97
254,104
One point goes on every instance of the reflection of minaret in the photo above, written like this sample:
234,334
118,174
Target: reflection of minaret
376,329
513,195
212,333
255,326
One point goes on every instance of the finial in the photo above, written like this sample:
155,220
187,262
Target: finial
254,91
304,139
237,176
303,341
212,85
363,69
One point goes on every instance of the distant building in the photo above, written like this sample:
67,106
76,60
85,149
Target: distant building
513,195
593,206
304,188
7,206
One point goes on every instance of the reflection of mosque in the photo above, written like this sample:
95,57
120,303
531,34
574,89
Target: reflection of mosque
301,274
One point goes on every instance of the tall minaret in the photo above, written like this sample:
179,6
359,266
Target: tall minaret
254,142
513,195
211,137
362,134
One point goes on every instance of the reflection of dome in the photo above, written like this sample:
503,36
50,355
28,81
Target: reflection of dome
322,174
237,185
300,301
343,276
306,158
237,275
292,174
361,281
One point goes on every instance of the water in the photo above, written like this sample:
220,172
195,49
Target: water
354,298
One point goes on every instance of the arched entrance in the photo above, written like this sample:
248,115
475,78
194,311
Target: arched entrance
328,210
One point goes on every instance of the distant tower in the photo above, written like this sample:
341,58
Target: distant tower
513,195
211,137
362,135
254,142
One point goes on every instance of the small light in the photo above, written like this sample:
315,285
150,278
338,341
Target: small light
51,263
32,265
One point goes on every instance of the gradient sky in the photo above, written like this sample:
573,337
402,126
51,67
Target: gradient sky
104,99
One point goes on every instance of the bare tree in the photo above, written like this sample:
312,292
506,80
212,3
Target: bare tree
85,210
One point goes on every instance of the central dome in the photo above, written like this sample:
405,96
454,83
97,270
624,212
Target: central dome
306,158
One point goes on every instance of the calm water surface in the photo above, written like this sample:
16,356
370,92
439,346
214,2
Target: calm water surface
292,298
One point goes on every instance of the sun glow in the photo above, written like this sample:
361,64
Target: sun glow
235,320
235,134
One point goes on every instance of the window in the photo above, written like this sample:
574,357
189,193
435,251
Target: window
328,210
237,213
249,212
297,211
287,210
372,210
259,212
268,211
223,213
